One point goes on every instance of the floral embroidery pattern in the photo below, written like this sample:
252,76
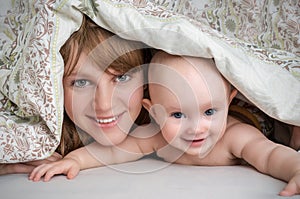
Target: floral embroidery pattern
27,95
266,29
267,23
89,7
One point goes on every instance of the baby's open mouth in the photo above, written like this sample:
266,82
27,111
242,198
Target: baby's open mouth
198,140
194,140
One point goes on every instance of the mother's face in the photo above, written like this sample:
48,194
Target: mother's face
103,104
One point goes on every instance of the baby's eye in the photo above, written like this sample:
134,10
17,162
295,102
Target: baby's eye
178,115
123,78
210,112
81,83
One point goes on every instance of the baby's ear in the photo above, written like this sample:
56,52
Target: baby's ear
233,93
157,111
147,104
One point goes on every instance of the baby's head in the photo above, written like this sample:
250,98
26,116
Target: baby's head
189,100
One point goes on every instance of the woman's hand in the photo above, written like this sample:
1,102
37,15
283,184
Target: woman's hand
26,167
66,166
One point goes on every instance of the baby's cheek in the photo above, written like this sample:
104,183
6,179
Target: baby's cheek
169,132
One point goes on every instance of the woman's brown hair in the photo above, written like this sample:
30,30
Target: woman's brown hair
108,51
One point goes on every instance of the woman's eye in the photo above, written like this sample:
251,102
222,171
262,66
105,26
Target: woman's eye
81,83
123,78
210,112
177,115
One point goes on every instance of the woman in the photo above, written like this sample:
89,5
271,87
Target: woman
103,91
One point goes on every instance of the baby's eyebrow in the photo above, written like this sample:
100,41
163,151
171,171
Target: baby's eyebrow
215,103
172,107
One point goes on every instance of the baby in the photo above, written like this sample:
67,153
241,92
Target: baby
189,101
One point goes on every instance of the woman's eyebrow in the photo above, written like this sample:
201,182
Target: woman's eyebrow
135,69
130,71
80,74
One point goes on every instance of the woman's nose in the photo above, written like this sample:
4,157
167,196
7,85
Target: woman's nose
103,97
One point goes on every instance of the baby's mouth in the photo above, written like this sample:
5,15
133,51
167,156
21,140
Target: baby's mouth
193,139
198,140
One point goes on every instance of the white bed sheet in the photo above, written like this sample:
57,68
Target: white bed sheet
149,178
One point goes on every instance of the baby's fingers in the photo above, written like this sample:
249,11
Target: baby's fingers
290,189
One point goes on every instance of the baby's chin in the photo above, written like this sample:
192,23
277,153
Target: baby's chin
200,152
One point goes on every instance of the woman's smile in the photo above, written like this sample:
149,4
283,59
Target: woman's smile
107,122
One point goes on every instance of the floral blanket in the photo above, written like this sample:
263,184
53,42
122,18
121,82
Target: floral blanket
255,45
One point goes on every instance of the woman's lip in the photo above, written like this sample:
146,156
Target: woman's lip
105,122
108,124
107,119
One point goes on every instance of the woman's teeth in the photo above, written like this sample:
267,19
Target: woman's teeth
107,120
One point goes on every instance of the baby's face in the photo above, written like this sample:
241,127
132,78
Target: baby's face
190,103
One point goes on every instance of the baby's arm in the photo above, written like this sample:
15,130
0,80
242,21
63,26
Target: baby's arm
266,156
96,155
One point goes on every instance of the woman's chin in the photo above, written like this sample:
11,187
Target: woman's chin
112,140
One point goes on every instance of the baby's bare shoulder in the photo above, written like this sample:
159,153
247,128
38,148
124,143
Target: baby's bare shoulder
238,128
238,135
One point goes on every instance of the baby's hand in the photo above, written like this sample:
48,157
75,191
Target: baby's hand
293,186
66,166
